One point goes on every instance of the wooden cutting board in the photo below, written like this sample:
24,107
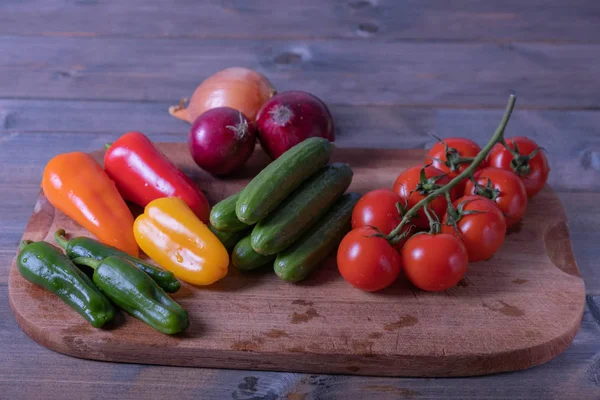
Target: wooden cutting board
519,309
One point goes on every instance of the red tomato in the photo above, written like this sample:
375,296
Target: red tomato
533,172
411,191
434,262
510,195
483,232
367,262
446,160
377,208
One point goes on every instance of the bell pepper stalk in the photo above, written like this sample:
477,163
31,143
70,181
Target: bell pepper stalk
143,173
170,234
75,184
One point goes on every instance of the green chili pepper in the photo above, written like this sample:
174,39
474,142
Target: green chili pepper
44,265
135,292
87,247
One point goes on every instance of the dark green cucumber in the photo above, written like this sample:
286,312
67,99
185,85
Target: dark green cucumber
308,253
229,239
223,218
274,183
245,258
301,209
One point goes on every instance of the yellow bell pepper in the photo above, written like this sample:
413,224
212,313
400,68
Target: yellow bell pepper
170,233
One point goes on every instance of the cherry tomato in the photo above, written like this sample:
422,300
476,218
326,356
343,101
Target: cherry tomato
507,191
532,171
434,262
378,208
367,262
446,160
483,231
408,185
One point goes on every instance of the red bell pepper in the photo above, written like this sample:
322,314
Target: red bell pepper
142,174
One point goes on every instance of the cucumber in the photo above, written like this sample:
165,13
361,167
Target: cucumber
245,258
229,239
308,253
301,209
274,183
223,218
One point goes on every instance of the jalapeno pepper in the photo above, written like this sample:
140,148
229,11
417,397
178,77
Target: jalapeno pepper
136,293
44,265
142,174
170,234
87,247
75,184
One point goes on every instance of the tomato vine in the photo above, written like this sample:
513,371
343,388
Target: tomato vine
395,236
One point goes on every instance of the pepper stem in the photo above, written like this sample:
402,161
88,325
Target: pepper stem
107,145
90,262
24,243
61,239
496,138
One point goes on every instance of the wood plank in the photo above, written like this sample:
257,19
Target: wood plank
16,203
49,127
583,214
338,71
510,20
29,369
505,318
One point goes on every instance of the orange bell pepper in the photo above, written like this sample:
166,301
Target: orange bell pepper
172,235
76,184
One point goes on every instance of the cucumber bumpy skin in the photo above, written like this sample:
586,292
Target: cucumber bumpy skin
277,180
302,209
312,249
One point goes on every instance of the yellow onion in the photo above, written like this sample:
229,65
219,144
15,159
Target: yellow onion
240,88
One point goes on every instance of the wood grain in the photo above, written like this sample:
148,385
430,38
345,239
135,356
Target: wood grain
338,71
571,138
28,369
510,20
518,310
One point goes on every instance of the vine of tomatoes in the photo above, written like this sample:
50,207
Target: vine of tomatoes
441,215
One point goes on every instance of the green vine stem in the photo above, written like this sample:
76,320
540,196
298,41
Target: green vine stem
512,151
498,137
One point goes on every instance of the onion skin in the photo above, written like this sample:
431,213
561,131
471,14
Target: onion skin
289,118
221,140
239,88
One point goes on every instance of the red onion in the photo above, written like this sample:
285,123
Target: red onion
288,118
221,140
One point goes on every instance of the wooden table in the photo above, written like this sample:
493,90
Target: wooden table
77,74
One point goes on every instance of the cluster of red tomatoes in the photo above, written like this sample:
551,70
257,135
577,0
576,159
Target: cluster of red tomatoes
471,230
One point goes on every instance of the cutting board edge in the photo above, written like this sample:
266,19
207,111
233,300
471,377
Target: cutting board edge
395,366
